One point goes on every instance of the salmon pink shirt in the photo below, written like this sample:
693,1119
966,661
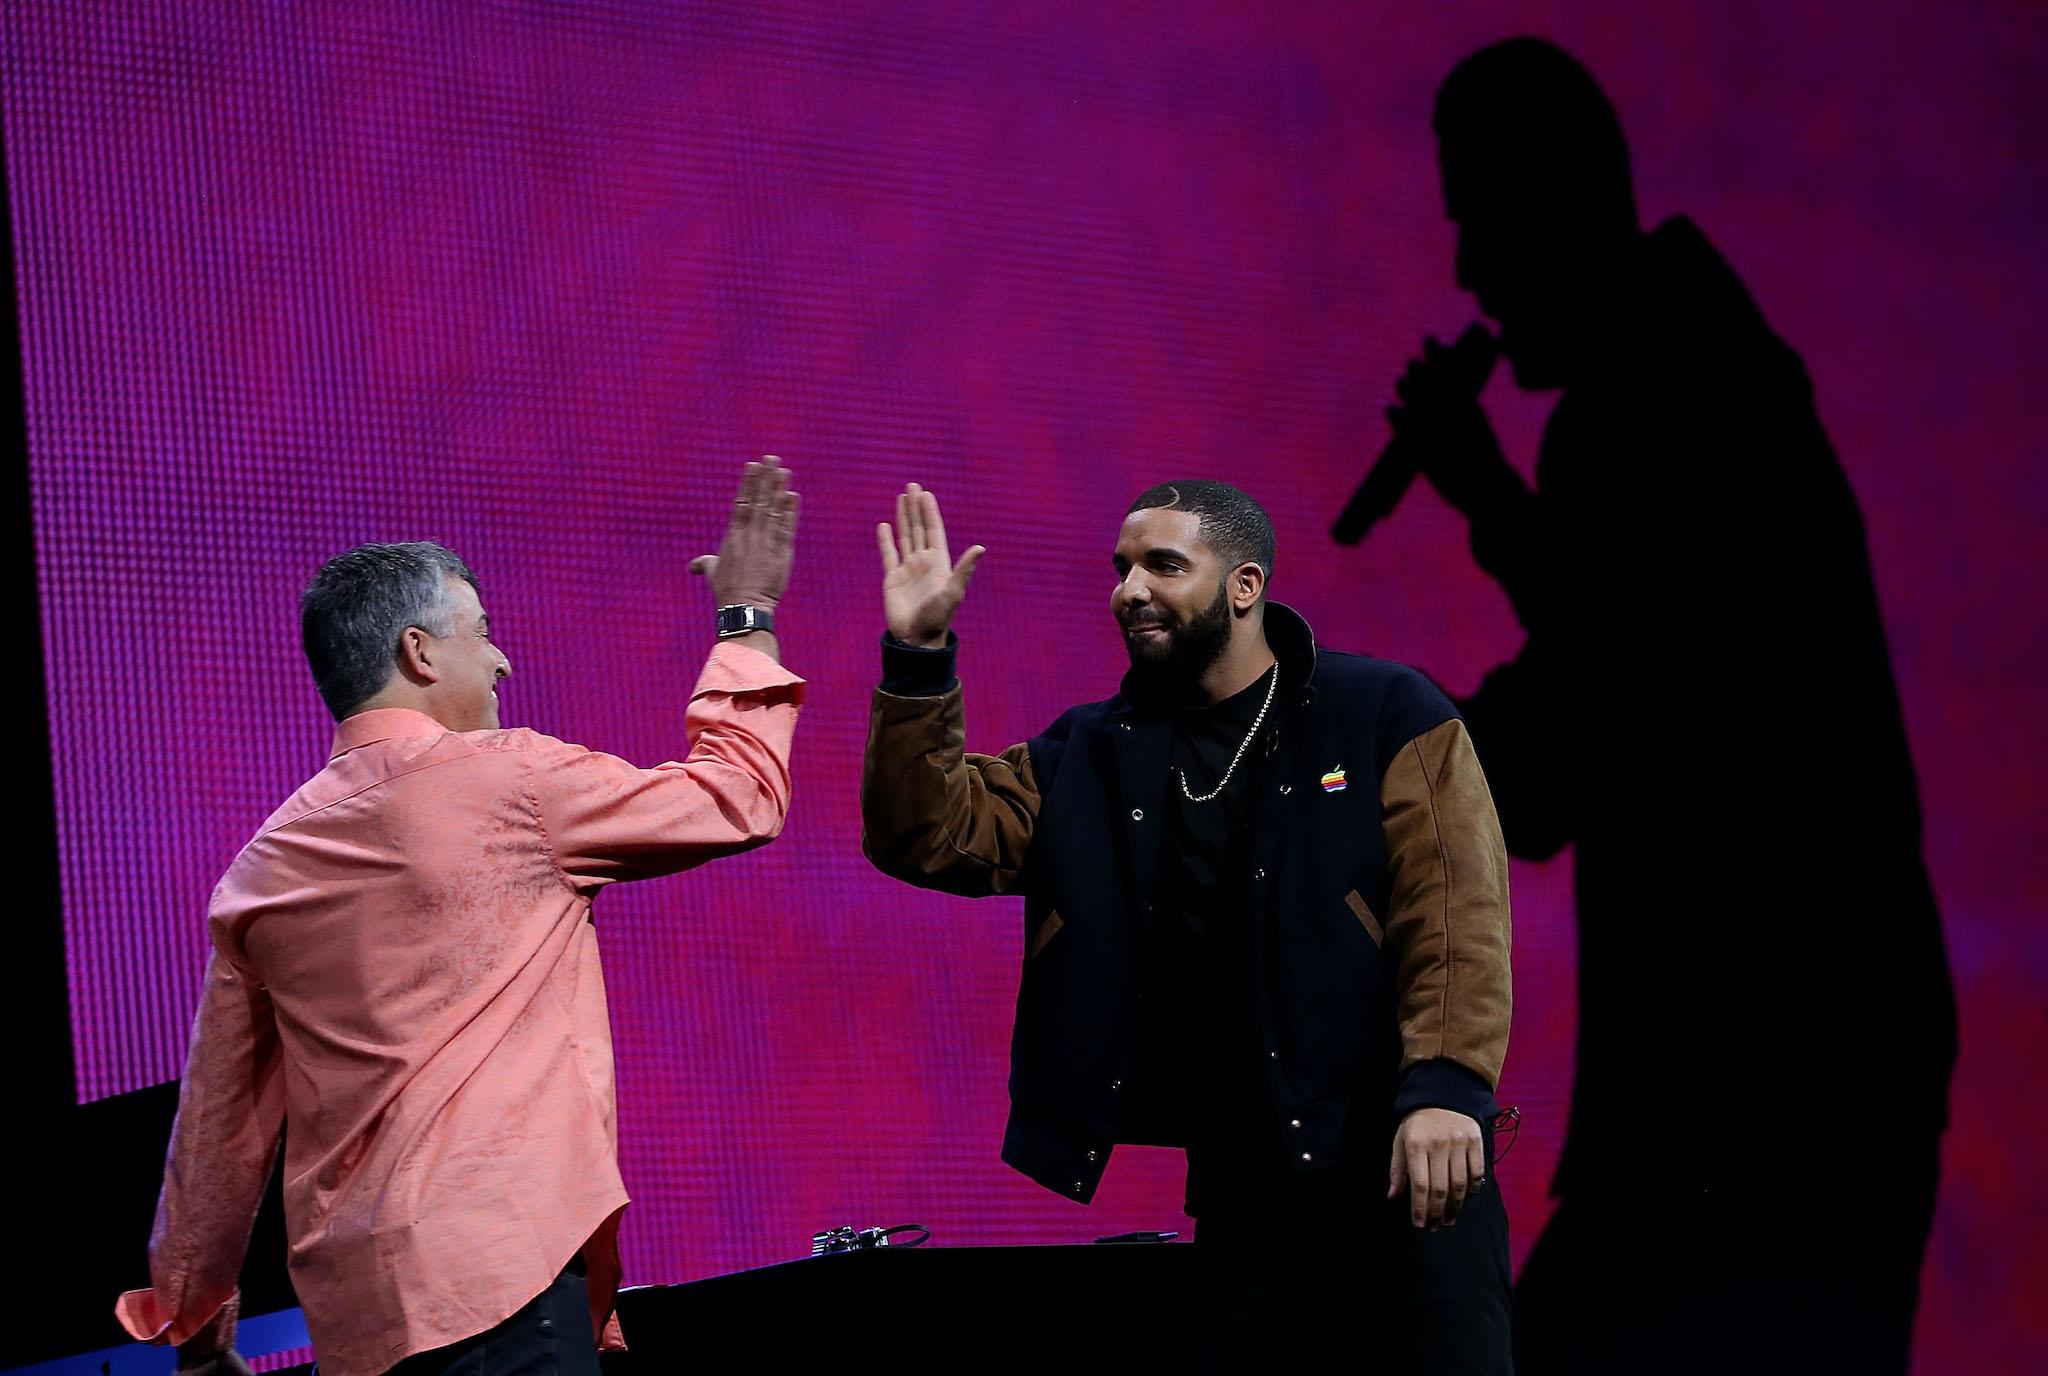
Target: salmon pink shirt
405,976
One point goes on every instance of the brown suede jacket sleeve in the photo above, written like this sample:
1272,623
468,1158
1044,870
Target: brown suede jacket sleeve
933,814
1448,912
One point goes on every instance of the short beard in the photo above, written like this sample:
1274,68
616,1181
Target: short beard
1175,669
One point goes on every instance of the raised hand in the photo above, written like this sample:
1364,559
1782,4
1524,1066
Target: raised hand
751,567
921,585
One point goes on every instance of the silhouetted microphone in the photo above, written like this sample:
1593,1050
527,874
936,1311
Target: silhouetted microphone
1471,361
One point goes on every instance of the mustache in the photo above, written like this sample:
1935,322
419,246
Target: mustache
1141,619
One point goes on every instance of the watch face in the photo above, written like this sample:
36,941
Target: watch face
740,620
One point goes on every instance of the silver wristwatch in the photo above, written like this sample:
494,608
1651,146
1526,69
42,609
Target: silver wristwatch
740,619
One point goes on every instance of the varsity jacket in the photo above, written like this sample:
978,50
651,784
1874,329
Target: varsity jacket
1379,890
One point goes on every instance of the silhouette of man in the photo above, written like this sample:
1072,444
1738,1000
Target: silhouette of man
1704,708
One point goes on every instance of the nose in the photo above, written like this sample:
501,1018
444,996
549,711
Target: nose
504,667
1131,592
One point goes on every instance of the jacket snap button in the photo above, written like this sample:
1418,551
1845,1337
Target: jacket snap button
1296,1125
1306,1157
1079,1187
1092,1156
1258,874
1286,789
1137,814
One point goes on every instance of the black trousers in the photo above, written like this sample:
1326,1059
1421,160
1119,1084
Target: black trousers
550,1336
1294,1263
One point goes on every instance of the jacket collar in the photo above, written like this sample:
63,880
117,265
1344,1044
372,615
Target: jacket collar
382,724
1293,643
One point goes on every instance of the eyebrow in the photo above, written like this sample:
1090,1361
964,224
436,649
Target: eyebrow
1157,552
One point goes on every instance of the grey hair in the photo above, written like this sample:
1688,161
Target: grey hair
356,609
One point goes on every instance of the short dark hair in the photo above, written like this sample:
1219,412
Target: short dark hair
1233,525
354,611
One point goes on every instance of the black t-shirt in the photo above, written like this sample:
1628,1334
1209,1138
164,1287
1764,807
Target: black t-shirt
1195,1020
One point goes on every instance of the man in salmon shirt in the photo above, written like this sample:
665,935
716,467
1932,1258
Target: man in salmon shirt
404,971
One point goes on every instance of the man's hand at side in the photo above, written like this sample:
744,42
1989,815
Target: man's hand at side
1440,1159
211,1351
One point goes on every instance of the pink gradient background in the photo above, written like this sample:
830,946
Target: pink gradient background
532,279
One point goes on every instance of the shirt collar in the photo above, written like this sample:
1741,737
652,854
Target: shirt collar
381,724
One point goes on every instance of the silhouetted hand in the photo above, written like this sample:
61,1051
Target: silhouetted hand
921,586
1440,417
1440,1159
751,567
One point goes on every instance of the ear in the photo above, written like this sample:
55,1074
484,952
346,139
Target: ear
1247,584
416,656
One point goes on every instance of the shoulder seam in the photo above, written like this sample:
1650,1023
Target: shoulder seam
356,793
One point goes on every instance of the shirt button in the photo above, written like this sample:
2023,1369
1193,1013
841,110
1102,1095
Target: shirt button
1137,814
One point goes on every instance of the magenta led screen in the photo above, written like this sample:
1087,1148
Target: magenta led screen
533,280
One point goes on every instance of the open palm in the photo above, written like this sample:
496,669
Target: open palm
921,585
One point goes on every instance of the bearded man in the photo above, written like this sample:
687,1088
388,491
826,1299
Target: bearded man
1266,920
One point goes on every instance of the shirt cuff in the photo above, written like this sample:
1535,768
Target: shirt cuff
148,1320
739,669
143,1315
912,671
1443,1083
